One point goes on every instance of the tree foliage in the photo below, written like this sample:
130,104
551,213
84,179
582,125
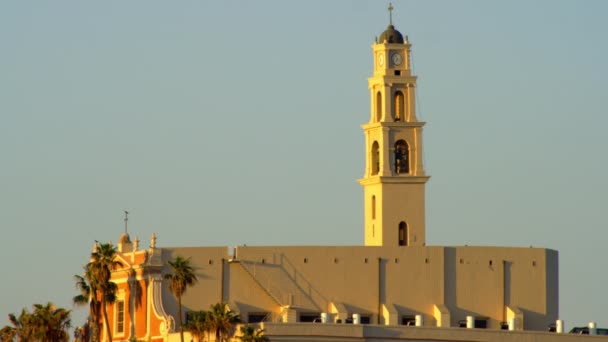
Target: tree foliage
88,296
217,322
222,321
197,323
250,334
99,272
182,277
46,323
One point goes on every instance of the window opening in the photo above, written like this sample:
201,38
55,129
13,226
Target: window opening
408,320
257,317
398,107
310,317
373,207
120,316
402,234
481,323
375,158
378,106
402,164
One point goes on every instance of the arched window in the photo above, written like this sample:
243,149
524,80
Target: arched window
402,234
373,207
378,106
398,107
402,157
375,158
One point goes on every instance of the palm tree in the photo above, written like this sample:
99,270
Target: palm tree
88,295
46,323
250,334
83,333
101,266
51,323
22,325
198,324
183,277
222,321
8,334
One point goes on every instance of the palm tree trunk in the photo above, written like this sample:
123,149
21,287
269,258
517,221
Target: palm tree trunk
94,322
179,313
105,318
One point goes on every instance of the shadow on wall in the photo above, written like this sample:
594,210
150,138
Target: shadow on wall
169,300
457,315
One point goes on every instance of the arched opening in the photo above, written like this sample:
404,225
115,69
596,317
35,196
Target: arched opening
378,106
402,157
375,158
373,207
402,234
399,106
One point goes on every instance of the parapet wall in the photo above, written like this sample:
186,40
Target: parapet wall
383,284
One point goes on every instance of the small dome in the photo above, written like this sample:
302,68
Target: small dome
391,36
124,238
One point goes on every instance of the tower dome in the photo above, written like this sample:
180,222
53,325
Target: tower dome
124,243
124,238
391,36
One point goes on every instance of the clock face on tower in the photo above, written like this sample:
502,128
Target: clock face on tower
381,60
396,58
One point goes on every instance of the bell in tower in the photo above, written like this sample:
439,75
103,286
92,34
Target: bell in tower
394,179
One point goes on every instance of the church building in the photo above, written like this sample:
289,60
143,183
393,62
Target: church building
395,286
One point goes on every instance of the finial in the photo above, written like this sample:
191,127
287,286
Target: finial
390,13
126,220
153,241
95,247
136,244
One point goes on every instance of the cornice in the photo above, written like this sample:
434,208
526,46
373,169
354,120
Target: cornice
393,180
373,125
391,80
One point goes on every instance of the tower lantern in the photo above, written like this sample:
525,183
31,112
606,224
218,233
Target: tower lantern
394,179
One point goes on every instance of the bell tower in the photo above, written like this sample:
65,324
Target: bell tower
394,180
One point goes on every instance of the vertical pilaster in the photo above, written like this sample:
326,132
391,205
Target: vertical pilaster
419,160
388,103
368,155
385,167
412,91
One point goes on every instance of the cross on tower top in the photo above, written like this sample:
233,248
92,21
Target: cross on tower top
390,13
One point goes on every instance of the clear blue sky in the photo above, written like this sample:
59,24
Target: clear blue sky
231,122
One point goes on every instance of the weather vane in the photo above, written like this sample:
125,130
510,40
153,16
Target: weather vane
390,13
126,220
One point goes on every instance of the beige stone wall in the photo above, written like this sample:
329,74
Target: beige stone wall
207,263
477,281
373,235
251,297
403,202
414,279
395,202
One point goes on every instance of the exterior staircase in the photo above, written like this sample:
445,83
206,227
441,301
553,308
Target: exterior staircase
281,286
